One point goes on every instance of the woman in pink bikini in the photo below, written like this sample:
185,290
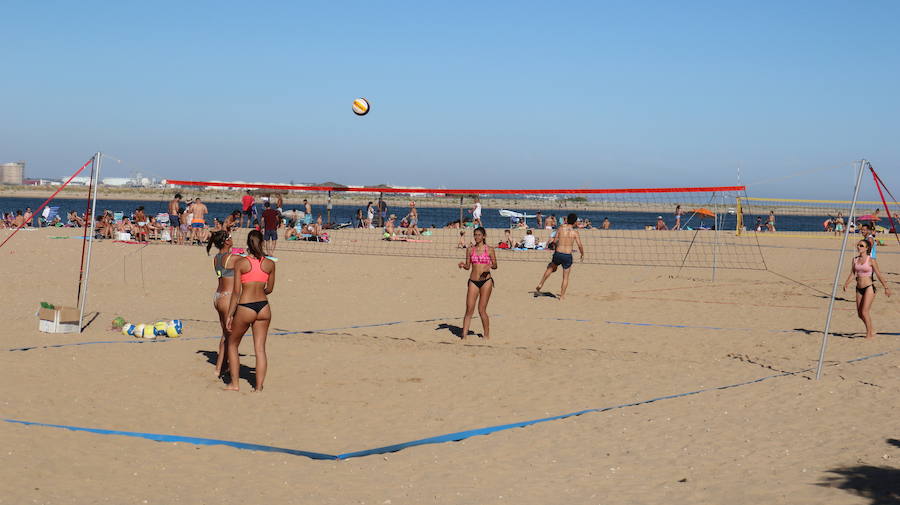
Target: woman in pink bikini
481,260
862,268
254,278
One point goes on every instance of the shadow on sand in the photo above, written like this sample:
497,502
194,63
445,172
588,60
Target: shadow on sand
455,330
879,484
246,373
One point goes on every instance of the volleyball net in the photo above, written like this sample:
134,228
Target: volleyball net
811,218
673,227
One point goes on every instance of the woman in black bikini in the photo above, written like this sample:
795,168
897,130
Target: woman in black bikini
863,266
254,278
481,260
222,265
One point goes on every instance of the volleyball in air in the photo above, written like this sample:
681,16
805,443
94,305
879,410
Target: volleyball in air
360,106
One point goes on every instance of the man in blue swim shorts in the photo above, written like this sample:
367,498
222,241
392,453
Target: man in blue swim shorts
566,237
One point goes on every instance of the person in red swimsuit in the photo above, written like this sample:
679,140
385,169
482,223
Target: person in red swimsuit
254,278
247,209
480,258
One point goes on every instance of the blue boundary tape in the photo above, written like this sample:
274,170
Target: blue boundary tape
160,340
688,326
451,437
393,323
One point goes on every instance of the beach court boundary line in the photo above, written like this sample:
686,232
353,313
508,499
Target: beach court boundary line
450,437
160,340
393,323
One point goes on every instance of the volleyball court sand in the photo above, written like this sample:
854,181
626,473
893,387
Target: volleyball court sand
352,388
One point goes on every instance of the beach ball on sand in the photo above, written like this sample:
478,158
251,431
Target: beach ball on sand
360,106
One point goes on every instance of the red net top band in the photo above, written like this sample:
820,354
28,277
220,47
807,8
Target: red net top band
285,187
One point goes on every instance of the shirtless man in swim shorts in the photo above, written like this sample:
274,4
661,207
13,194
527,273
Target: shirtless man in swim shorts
198,220
566,237
174,221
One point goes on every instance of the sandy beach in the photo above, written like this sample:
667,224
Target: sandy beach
368,357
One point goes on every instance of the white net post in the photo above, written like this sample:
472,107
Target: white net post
95,175
837,273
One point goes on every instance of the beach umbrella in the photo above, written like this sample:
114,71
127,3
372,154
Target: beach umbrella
704,212
869,217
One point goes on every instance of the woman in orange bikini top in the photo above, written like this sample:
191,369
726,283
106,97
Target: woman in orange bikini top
254,279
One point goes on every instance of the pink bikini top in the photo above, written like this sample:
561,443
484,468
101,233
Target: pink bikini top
862,270
256,273
481,259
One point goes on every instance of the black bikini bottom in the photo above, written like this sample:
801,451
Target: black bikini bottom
862,291
480,283
257,306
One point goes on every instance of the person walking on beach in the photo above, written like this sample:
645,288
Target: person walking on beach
198,220
678,214
254,279
370,216
247,209
839,223
476,212
566,237
382,211
223,264
413,220
480,259
770,222
271,223
865,269
174,220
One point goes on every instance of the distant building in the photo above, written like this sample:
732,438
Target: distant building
118,181
12,173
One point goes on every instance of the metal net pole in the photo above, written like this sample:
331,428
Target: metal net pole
87,269
837,273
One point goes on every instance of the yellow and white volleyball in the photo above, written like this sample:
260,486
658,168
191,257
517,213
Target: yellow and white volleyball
138,331
127,329
148,331
174,328
360,106
160,329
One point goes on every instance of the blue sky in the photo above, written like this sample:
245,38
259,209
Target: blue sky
519,95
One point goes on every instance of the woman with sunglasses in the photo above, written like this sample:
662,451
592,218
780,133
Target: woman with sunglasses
223,265
863,266
480,258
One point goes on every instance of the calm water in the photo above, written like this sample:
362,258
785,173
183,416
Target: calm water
428,216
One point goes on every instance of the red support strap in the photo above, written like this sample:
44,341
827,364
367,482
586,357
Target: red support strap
39,209
878,184
87,219
285,187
